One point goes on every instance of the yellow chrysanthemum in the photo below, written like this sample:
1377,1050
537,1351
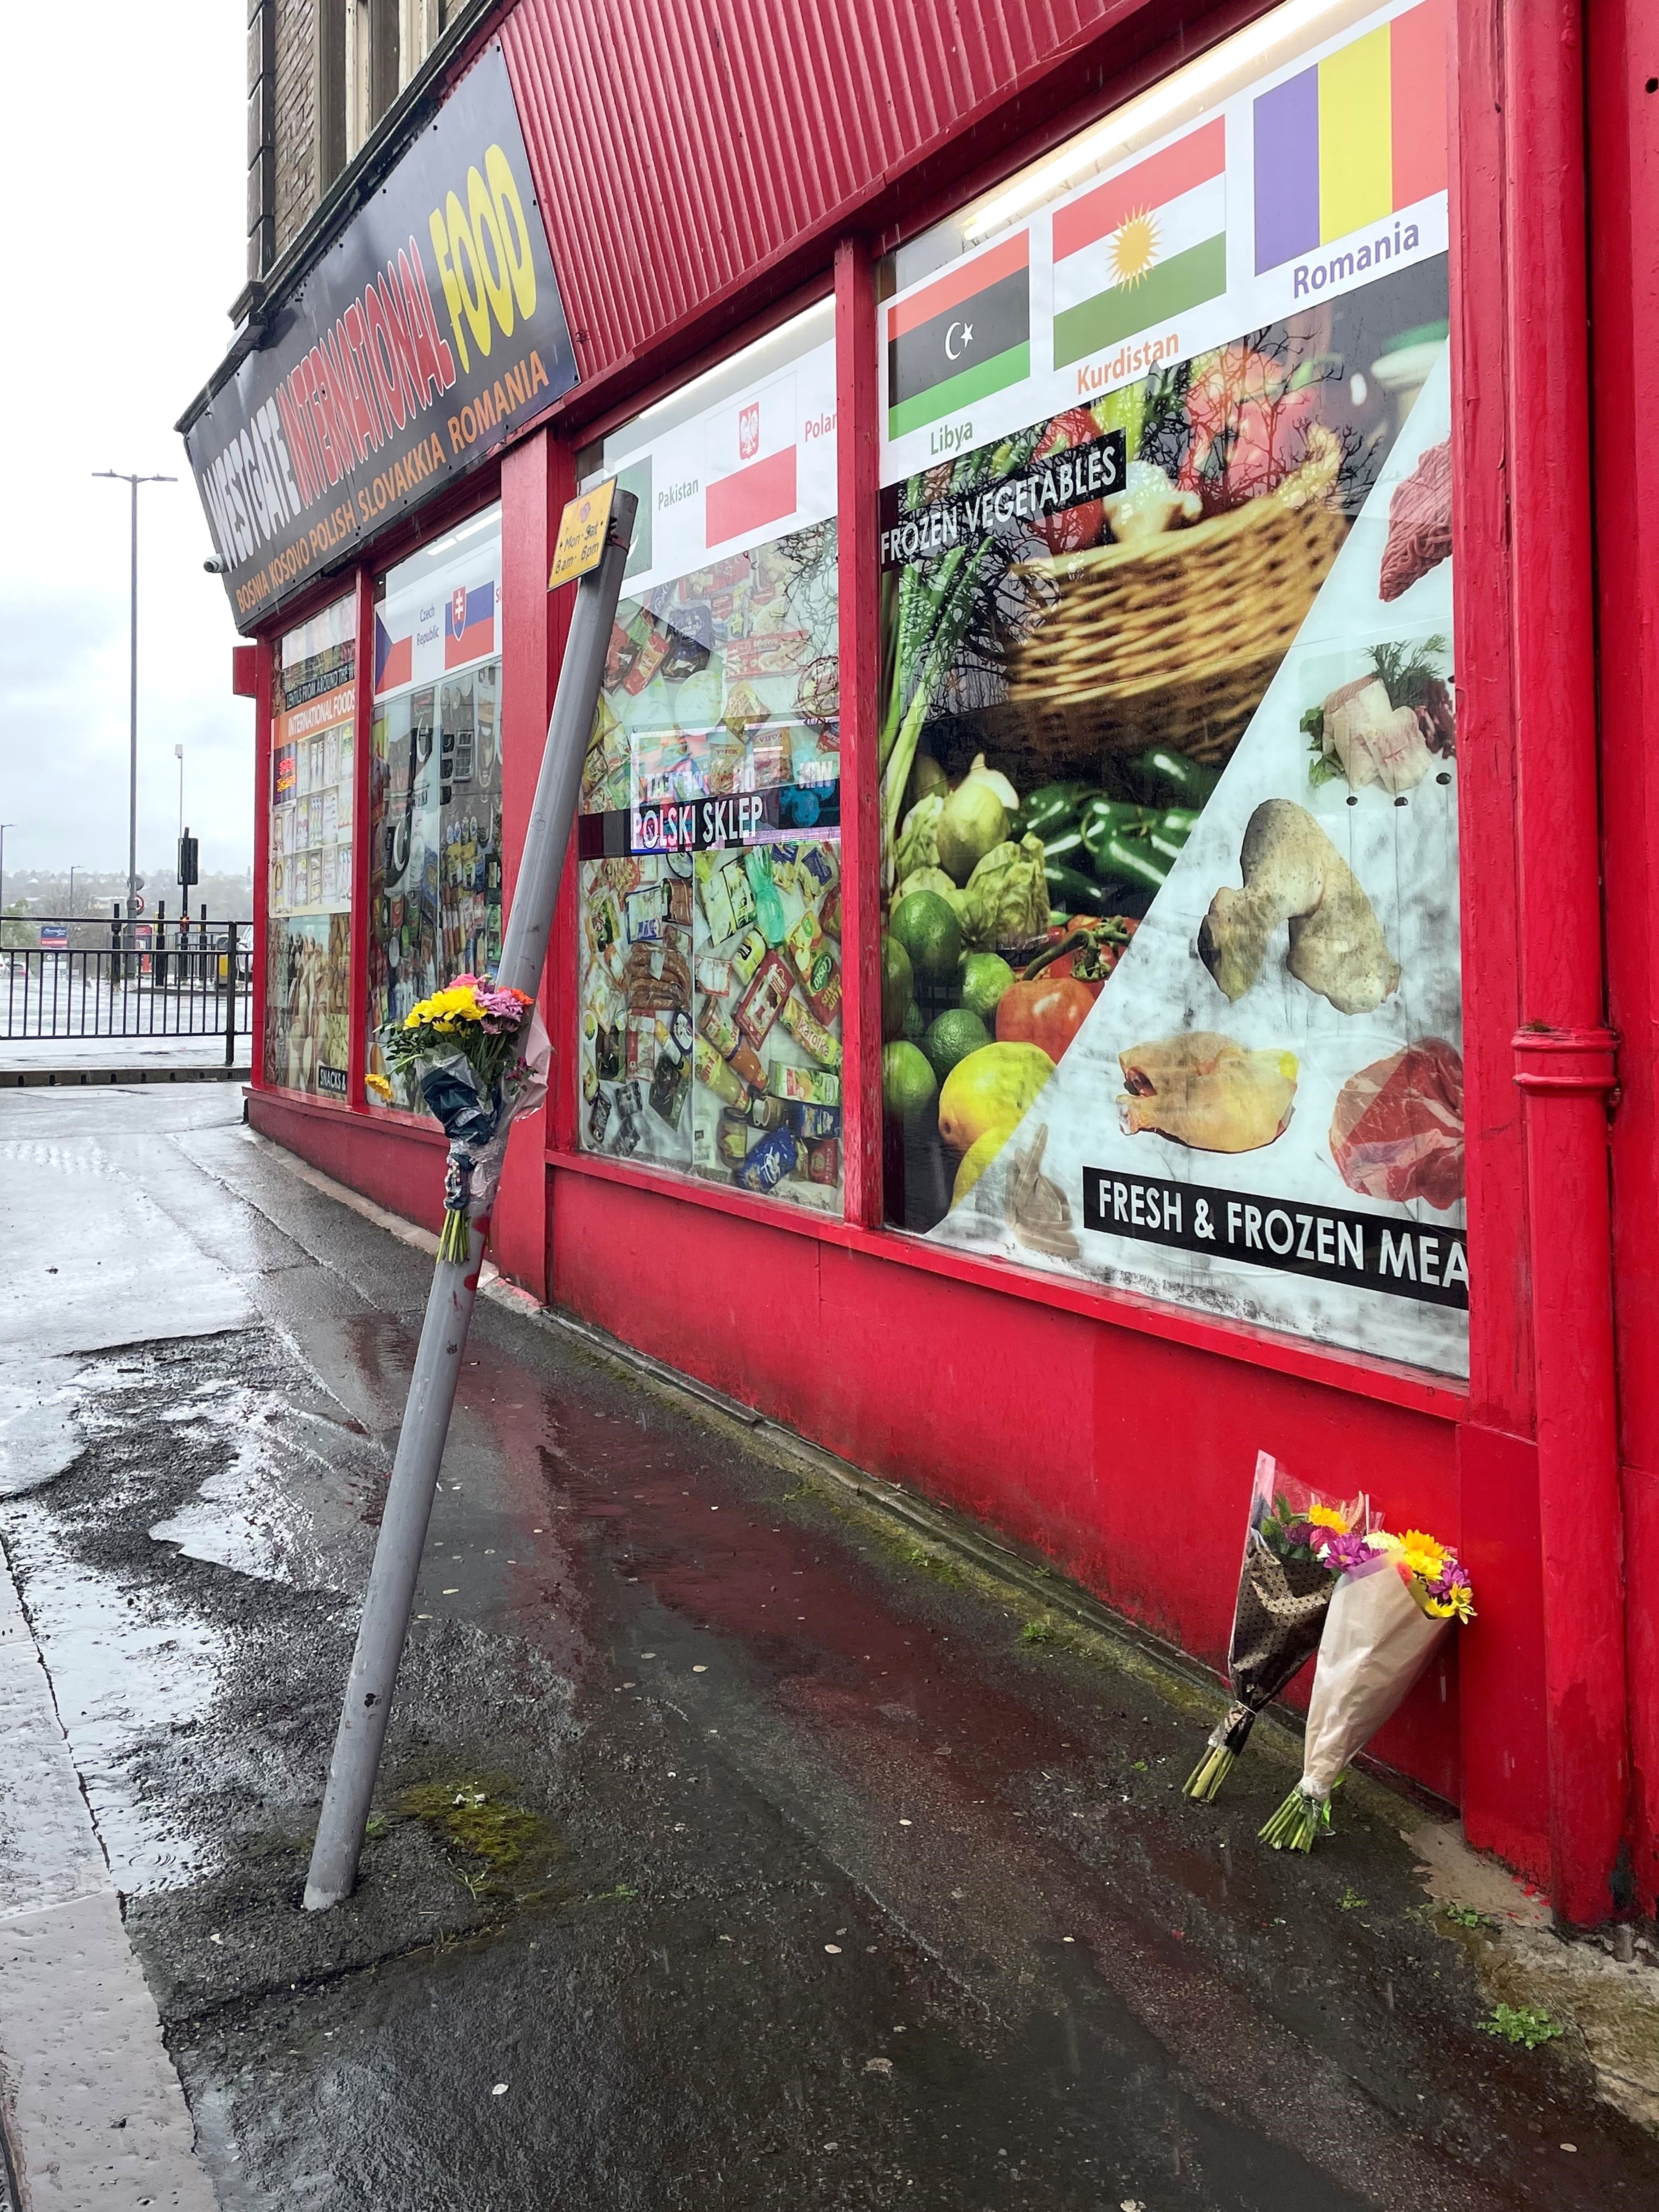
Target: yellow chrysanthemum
1421,1554
1328,1517
453,1005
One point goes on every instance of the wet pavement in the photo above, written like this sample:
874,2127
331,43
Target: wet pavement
734,1844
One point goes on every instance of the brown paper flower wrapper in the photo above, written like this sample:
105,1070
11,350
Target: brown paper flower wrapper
1378,1639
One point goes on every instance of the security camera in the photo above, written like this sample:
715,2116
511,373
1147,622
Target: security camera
213,568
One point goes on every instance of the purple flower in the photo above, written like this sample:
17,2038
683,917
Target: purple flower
1343,1553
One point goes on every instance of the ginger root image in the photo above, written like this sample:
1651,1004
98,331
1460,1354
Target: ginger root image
1207,1091
1293,872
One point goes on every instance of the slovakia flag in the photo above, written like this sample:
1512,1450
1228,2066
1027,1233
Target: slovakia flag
470,624
750,463
393,659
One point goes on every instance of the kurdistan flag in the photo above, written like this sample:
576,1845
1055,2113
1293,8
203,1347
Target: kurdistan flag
1149,243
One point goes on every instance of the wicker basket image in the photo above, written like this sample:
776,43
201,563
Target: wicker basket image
1170,640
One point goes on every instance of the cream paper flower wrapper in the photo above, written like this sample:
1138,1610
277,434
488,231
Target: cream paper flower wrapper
1377,1641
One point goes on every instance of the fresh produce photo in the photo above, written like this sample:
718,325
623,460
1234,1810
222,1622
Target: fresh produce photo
1293,872
1065,677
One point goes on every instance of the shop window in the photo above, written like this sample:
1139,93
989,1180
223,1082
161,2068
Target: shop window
434,908
710,837
308,938
1168,758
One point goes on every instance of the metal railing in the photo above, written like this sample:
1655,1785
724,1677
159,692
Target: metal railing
109,979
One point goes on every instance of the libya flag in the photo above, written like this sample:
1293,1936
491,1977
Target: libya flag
955,341
1148,245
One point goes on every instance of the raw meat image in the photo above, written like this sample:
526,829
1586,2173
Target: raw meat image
1420,523
1397,1132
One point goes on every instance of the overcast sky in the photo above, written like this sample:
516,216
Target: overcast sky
121,162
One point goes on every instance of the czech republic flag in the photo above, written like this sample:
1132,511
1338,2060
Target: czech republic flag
394,660
470,624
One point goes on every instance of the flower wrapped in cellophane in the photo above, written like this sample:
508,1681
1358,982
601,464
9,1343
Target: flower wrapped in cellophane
479,1056
1284,1589
1395,1598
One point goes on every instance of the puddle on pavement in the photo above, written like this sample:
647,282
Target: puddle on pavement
40,1402
132,1663
279,1512
120,1677
906,1729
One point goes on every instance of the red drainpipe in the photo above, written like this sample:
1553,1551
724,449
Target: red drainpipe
1563,1052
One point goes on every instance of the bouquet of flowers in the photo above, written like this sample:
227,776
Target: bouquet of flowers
479,1056
1284,1587
1395,1597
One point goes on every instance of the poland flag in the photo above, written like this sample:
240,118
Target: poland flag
750,463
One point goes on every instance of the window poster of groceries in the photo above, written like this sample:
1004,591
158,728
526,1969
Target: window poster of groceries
308,976
435,784
710,1033
1171,979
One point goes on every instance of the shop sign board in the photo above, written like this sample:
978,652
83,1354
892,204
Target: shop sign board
430,330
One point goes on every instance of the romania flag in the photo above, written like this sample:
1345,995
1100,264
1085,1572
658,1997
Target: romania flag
1349,140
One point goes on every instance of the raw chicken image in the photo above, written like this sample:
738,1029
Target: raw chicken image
1397,1132
1293,872
1374,741
1208,1092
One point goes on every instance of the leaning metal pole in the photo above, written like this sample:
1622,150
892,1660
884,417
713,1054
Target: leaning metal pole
390,1597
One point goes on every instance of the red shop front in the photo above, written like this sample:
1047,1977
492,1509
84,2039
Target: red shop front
1082,958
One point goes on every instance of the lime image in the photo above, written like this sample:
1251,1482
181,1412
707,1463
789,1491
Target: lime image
985,977
915,1023
908,1084
895,985
928,929
951,1037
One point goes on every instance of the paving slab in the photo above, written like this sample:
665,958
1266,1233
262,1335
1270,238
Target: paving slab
91,2109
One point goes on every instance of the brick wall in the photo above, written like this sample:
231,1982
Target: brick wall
295,118
261,101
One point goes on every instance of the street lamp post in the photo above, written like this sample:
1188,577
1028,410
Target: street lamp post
117,476
179,755
5,826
